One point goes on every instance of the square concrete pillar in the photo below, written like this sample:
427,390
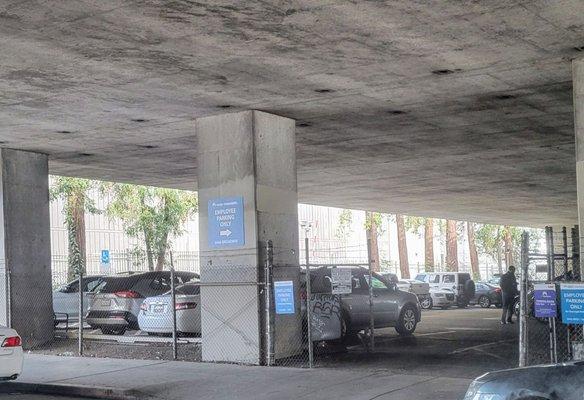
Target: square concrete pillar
26,302
247,196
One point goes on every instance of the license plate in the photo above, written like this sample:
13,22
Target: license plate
158,308
105,303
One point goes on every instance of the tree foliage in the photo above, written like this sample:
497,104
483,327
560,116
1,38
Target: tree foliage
344,227
152,214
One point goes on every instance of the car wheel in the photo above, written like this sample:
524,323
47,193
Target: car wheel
406,324
484,302
113,331
427,303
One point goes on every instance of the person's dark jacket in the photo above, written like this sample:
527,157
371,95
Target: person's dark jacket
508,284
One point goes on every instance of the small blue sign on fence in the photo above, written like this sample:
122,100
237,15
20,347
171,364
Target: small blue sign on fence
225,225
105,257
572,303
284,297
545,305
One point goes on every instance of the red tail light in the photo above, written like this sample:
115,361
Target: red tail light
185,306
128,294
13,341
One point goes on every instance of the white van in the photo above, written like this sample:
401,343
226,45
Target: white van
459,282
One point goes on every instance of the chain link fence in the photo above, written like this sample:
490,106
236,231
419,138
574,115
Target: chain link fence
547,334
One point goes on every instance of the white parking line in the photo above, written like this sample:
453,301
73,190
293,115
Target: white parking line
480,346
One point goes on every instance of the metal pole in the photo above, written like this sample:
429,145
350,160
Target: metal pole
173,296
308,304
269,324
523,349
565,248
549,238
80,318
371,317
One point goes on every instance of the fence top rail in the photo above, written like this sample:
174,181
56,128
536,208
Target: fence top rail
340,264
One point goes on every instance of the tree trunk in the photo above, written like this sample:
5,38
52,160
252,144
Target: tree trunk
472,248
499,261
451,246
149,255
429,245
402,245
161,252
371,234
508,247
76,235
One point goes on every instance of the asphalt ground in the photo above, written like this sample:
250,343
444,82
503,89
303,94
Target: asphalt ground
450,343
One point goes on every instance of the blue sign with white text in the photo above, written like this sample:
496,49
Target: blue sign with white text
544,296
225,226
572,303
284,297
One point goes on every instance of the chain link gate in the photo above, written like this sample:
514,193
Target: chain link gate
544,339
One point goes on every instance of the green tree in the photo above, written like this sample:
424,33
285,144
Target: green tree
152,214
472,248
75,195
488,239
344,227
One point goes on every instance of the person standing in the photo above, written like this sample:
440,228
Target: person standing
508,285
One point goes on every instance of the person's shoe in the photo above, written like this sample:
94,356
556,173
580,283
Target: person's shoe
503,322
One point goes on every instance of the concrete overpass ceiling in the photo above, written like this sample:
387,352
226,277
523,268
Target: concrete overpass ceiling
442,108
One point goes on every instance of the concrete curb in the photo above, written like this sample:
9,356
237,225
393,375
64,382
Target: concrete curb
90,392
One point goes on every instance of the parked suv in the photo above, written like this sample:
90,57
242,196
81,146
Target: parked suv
459,282
115,306
66,298
391,306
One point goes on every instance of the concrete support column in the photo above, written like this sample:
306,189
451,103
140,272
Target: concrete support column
247,196
26,302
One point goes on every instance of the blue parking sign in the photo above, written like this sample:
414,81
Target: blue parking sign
284,297
544,295
225,227
572,303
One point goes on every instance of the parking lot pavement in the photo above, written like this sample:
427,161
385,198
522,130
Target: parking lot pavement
180,380
448,343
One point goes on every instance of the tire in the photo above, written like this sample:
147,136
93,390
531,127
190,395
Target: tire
484,301
113,331
407,321
427,303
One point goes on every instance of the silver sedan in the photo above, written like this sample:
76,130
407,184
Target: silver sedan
542,382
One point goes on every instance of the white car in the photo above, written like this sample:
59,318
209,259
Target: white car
11,355
155,316
442,298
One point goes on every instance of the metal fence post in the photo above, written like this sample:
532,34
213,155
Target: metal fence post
80,318
269,323
173,296
371,317
308,306
523,349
